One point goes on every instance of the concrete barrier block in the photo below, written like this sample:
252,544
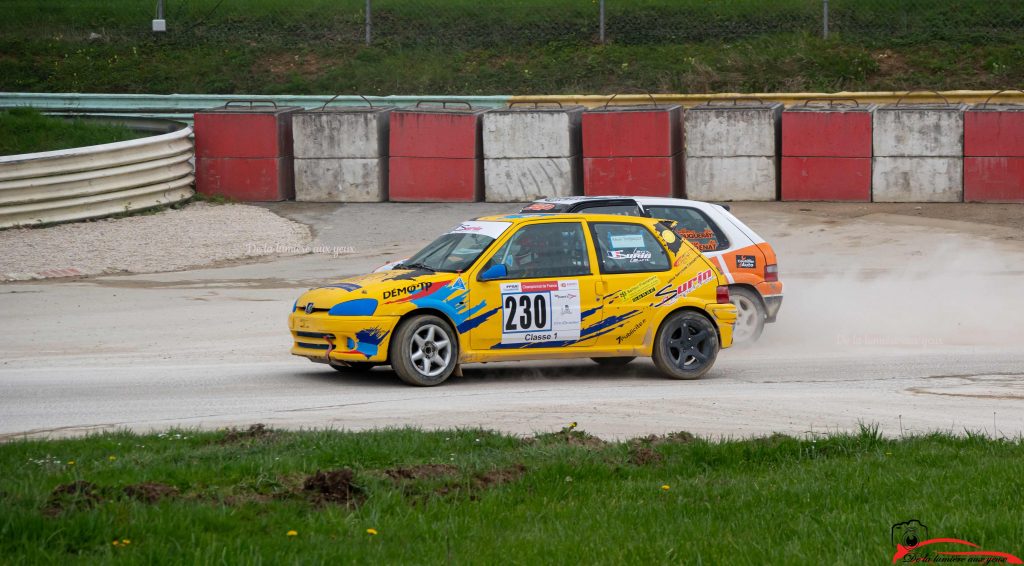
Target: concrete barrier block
524,180
341,180
919,131
633,176
632,131
743,130
917,179
731,178
352,133
532,132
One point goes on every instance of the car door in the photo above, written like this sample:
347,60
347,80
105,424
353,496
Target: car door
549,291
634,266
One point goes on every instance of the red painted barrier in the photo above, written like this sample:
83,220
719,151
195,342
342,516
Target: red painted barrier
436,153
432,179
247,180
826,152
644,176
994,153
845,179
633,150
244,151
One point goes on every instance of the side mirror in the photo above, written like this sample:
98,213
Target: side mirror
498,271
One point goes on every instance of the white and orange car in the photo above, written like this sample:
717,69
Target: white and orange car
747,261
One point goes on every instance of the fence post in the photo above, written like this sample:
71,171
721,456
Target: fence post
602,20
369,23
824,19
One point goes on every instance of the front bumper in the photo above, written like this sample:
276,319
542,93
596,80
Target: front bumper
725,318
324,338
772,304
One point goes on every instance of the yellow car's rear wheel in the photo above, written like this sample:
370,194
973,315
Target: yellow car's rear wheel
686,345
424,350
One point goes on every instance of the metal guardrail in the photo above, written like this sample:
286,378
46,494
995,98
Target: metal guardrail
787,98
94,181
182,106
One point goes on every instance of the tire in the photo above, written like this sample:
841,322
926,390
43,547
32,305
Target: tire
750,315
353,367
617,361
686,345
424,350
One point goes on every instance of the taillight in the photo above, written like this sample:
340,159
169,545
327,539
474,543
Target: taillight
771,272
722,294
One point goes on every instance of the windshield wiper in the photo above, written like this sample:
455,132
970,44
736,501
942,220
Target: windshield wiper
416,265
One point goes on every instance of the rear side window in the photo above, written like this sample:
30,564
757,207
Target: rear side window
619,209
628,248
694,226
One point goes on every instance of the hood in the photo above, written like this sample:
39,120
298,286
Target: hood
386,288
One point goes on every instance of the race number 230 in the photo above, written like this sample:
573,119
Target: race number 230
526,312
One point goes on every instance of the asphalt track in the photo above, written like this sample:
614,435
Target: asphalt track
911,323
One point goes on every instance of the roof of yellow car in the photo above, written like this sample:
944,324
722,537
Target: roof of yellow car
517,218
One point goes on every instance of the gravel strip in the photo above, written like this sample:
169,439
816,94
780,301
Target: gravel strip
196,235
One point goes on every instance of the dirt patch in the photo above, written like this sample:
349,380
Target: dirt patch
644,456
72,496
256,431
891,64
570,435
680,437
500,476
150,492
333,486
423,471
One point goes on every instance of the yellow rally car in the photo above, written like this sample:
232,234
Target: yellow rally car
526,287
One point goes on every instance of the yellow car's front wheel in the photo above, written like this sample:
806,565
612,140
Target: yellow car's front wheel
424,350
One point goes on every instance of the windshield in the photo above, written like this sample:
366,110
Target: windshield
458,249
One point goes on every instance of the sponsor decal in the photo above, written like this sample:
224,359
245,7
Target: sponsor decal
407,290
459,284
746,262
632,331
343,286
688,256
695,282
540,311
628,241
637,291
911,539
635,256
367,341
540,206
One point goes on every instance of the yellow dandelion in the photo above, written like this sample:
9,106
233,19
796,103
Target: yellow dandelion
888,453
116,543
665,487
371,532
71,462
111,458
125,541
572,425
293,533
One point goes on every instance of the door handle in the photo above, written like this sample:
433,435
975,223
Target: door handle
599,289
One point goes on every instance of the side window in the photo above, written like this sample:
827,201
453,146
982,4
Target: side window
694,226
619,209
628,248
554,249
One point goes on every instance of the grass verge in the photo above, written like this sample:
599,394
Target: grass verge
473,496
24,130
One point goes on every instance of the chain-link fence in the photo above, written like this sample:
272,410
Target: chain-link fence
486,23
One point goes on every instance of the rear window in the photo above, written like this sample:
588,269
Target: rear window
628,248
694,226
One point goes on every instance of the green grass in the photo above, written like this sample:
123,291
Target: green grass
490,498
515,47
23,130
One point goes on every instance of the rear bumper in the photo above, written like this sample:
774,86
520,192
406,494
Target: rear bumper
772,305
725,318
323,338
